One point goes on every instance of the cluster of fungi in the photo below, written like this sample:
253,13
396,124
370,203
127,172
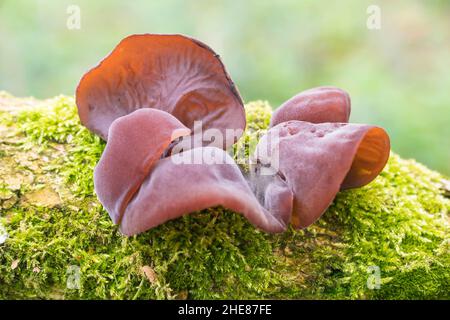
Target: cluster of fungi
146,99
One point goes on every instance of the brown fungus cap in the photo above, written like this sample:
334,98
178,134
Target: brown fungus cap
172,73
128,158
169,192
318,160
140,189
316,105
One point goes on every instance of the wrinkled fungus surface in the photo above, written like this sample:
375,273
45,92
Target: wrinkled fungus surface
169,192
317,160
316,105
172,73
136,143
153,91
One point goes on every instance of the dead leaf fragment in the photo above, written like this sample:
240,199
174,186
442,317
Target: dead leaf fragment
14,264
149,273
182,295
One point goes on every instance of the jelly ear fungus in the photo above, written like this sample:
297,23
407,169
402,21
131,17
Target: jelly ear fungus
156,93
318,160
172,73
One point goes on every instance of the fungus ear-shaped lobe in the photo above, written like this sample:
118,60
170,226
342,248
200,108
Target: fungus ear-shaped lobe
135,143
197,179
316,105
173,73
370,159
317,160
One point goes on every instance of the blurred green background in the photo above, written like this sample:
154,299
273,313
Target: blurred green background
398,76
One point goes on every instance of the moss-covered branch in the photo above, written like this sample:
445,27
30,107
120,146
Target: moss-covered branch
397,225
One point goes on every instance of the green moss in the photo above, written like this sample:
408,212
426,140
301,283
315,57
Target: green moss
258,115
398,223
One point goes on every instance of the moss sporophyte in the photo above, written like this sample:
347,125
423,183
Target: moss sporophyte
389,239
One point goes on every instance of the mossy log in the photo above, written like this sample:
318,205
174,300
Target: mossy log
387,240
